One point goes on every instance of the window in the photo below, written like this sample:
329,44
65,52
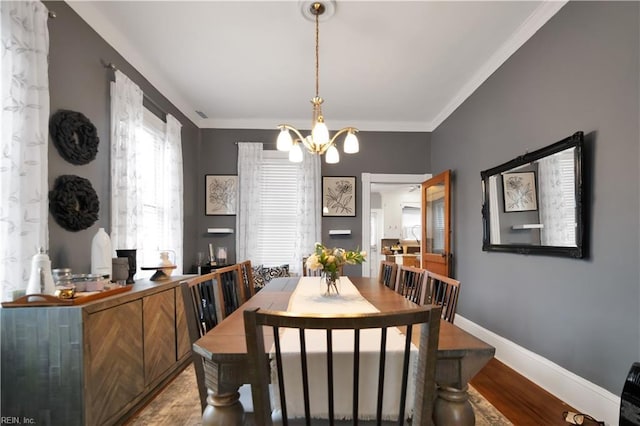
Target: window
277,230
155,235
146,178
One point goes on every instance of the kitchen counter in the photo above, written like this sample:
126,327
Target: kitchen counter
410,259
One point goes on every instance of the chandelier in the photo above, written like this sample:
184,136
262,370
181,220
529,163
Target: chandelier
318,142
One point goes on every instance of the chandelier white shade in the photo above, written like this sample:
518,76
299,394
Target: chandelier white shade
319,141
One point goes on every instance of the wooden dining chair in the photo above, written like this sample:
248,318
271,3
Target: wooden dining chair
307,272
411,282
203,306
424,321
230,289
201,313
247,278
443,291
387,274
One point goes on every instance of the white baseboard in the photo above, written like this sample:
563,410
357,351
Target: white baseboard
581,394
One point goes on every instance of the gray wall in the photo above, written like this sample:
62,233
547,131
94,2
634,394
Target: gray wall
579,72
78,81
380,152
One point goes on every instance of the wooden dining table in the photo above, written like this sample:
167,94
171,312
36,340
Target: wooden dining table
460,355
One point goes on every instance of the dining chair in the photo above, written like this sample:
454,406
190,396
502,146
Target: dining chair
387,274
307,272
423,320
443,291
411,282
230,289
246,271
201,313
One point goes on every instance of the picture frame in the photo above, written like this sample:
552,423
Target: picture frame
221,195
519,192
339,196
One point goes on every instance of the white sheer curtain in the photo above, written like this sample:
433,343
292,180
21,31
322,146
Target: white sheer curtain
126,200
249,197
309,226
24,93
556,181
172,182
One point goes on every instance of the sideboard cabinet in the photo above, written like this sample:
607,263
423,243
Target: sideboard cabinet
94,363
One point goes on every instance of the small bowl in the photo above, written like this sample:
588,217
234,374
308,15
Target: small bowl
95,285
65,292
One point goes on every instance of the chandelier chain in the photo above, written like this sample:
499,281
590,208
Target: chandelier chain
319,141
317,54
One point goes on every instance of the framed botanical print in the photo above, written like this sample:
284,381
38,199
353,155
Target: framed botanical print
519,191
338,196
221,192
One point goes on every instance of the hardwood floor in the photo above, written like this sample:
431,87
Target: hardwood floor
520,400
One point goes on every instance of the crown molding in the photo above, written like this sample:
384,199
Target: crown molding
305,125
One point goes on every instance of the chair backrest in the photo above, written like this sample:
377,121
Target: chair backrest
201,313
387,274
247,278
425,319
411,282
230,288
443,291
306,272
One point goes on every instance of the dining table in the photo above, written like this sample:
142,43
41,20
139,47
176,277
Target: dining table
460,355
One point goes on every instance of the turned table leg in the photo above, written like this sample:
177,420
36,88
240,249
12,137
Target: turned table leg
223,409
452,407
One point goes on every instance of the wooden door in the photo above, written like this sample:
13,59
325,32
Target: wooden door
436,224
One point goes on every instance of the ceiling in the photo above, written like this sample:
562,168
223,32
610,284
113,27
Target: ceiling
384,65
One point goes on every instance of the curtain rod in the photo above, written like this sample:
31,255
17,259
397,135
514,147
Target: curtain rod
112,66
264,143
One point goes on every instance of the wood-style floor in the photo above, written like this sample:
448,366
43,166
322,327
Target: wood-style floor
520,400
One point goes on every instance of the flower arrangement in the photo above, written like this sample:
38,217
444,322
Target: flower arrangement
331,261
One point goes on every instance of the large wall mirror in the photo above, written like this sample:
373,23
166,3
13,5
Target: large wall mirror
533,204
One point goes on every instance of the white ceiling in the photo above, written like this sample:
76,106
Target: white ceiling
384,65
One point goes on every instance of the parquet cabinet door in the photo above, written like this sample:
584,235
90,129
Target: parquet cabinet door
115,373
183,343
158,312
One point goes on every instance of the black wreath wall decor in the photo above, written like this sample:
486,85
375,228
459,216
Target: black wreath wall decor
74,136
73,202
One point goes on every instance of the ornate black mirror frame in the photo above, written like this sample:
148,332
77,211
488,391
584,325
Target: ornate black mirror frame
574,141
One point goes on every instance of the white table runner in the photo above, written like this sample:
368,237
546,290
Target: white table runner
307,299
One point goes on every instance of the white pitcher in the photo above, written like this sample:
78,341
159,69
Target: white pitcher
41,279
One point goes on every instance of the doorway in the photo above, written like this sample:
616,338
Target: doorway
370,268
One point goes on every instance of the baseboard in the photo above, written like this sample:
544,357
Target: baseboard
581,394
